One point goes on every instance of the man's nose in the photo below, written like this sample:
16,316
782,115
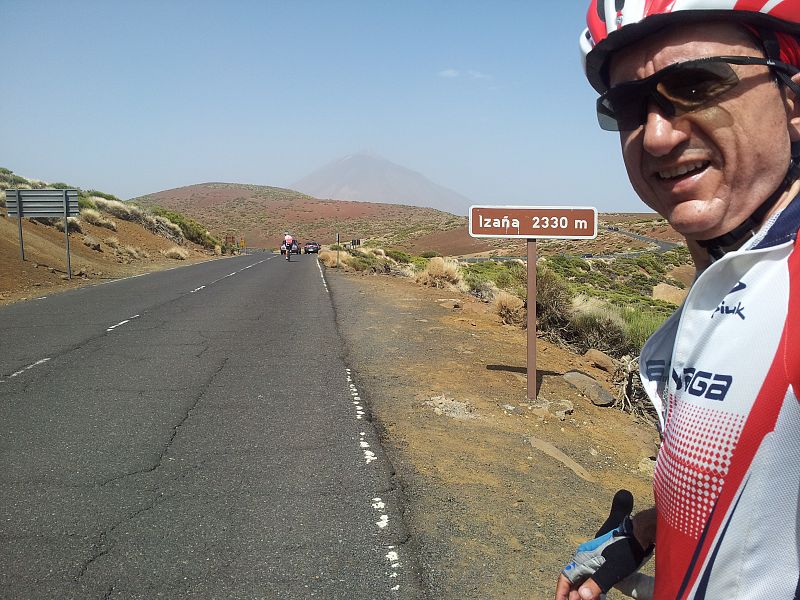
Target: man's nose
661,136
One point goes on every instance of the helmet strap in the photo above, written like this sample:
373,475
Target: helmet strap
715,246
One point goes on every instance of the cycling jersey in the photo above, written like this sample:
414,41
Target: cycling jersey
724,374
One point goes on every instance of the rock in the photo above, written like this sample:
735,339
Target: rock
601,360
669,293
648,465
590,388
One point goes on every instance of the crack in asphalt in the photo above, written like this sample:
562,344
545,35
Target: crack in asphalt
187,413
101,546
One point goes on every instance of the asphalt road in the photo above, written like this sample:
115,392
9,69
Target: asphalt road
194,433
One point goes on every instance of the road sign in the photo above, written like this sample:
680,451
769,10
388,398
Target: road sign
533,222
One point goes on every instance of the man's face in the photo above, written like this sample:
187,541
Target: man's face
706,171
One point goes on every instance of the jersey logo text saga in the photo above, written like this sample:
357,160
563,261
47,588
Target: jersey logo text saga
703,384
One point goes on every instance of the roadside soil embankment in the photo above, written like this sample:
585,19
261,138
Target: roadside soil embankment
44,270
499,490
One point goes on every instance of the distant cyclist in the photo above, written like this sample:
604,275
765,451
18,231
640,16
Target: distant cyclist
288,244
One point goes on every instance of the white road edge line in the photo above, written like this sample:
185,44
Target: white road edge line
28,368
378,504
322,274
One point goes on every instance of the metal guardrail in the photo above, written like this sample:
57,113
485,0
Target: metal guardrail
34,204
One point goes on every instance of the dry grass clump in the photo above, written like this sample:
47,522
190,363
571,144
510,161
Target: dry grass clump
132,252
126,212
95,218
176,253
74,224
553,300
596,324
510,308
112,242
217,250
442,273
92,242
328,258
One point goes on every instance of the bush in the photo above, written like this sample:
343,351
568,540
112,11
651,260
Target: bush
430,254
92,242
85,203
640,325
73,224
598,325
191,229
112,242
441,273
553,300
398,256
511,276
126,212
176,253
328,258
510,308
93,217
103,195
130,252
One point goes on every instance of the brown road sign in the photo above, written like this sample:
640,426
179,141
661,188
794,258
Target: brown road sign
531,222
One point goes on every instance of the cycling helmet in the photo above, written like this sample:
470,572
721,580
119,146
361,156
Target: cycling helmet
614,24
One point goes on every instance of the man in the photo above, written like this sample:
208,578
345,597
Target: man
288,244
705,96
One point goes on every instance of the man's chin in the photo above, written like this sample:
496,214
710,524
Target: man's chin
695,226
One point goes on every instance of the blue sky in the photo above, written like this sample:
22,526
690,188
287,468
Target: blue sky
132,97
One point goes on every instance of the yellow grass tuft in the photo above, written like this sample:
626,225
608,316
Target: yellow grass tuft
510,308
95,218
176,253
328,258
442,273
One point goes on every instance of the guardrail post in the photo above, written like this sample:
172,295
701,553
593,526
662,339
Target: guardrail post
66,232
19,222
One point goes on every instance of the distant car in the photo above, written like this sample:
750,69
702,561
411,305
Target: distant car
311,248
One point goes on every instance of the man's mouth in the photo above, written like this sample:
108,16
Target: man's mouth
681,171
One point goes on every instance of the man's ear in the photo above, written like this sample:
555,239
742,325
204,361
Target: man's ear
793,111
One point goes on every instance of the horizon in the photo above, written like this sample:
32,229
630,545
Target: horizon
489,102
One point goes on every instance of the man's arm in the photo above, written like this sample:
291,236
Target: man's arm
644,531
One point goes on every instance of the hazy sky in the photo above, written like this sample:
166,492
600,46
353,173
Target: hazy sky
131,97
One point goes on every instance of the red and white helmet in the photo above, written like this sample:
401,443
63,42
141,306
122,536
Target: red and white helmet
613,24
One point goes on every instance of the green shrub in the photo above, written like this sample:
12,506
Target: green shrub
102,195
398,256
600,331
640,325
192,230
85,203
430,254
553,300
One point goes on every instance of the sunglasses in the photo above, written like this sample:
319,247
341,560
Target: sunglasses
677,89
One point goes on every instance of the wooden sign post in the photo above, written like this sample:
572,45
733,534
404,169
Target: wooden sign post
531,223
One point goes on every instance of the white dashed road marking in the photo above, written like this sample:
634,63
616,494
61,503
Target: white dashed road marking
28,368
113,327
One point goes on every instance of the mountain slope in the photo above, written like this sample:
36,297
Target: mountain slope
259,214
370,178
